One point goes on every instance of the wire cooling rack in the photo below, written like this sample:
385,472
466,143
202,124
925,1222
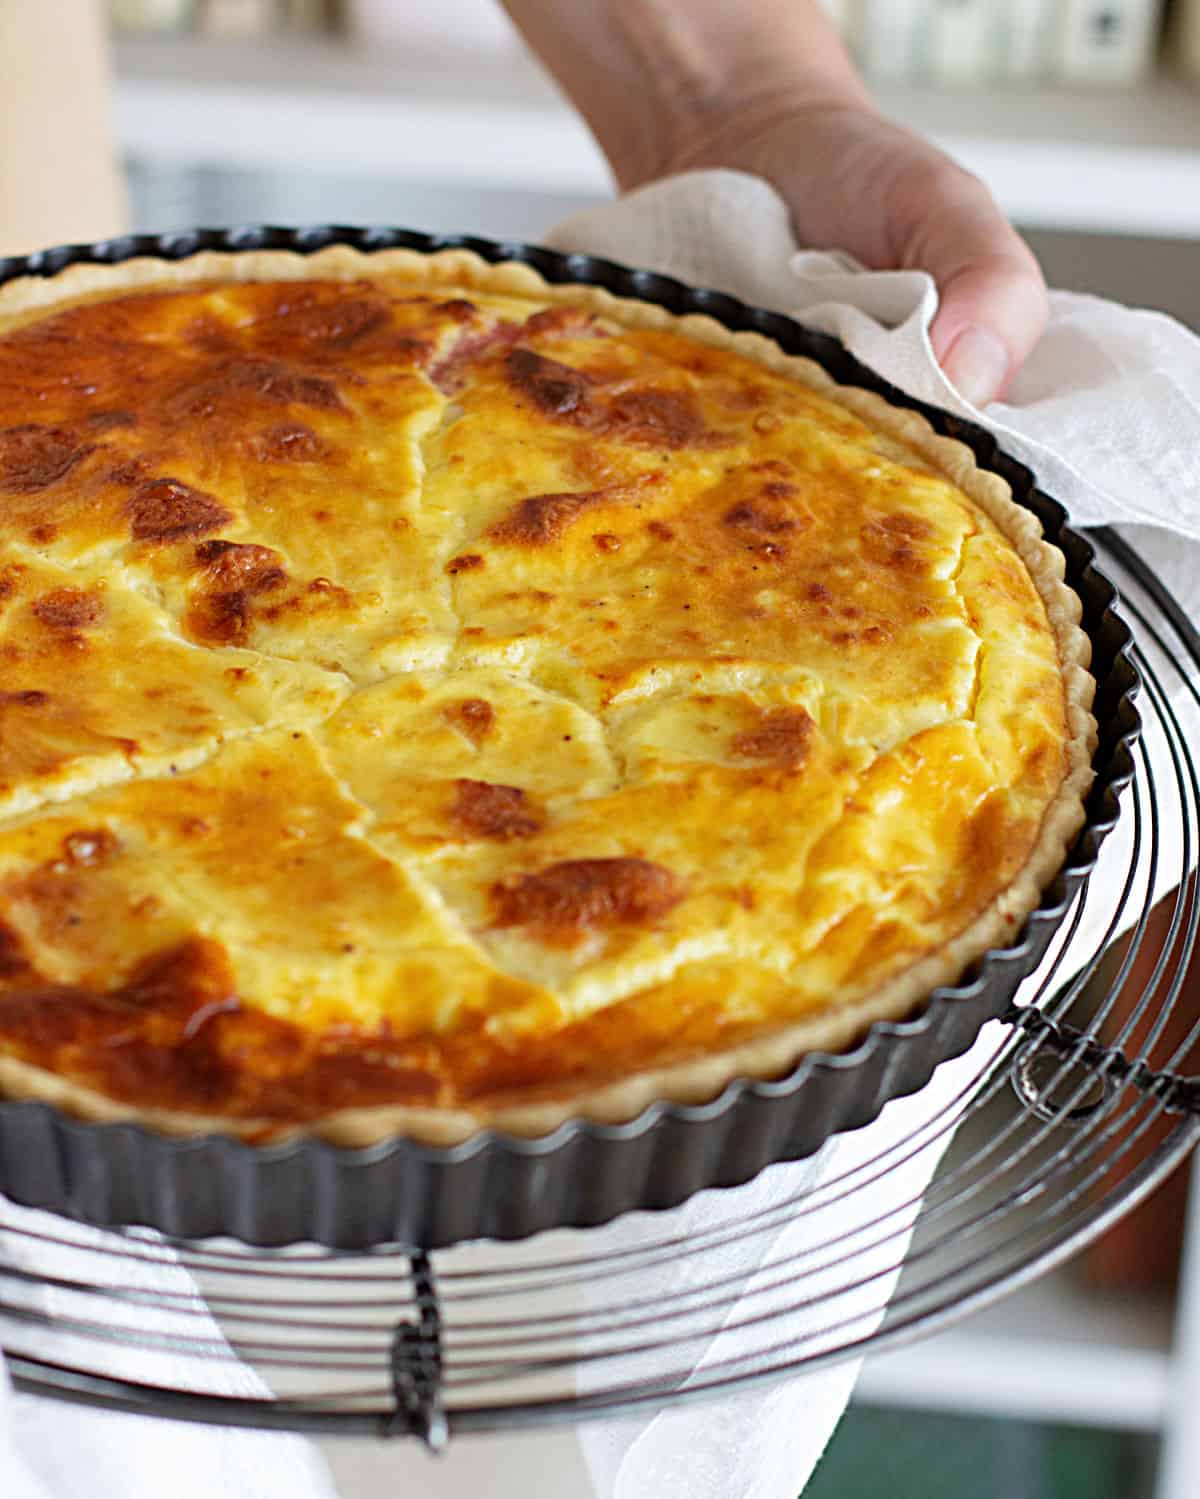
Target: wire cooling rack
1066,1113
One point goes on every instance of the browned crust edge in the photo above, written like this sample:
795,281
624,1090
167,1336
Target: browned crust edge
765,1056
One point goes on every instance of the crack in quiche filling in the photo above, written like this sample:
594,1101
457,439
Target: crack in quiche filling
427,697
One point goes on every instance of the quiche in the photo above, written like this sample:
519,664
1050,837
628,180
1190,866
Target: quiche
435,699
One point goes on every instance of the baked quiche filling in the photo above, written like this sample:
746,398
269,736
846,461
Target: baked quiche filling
433,692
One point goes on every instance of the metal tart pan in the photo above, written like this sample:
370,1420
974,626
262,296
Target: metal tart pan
498,1186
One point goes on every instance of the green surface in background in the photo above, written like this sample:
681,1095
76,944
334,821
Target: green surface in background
923,1455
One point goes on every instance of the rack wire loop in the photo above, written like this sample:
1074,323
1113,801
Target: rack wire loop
1039,1081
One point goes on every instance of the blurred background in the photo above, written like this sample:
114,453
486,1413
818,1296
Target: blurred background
1083,116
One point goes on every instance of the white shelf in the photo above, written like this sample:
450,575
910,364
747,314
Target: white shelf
1113,161
1051,1352
474,120
1124,162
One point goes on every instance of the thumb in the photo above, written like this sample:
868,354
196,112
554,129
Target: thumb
992,305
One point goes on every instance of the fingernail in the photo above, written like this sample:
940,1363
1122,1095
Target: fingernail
976,364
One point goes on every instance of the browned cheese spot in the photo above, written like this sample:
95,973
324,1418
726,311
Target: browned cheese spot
553,322
465,563
237,564
68,609
889,540
459,309
13,962
187,984
767,514
474,716
165,510
901,523
782,737
175,1035
270,381
34,458
576,895
554,388
87,849
656,418
335,325
233,575
486,810
542,518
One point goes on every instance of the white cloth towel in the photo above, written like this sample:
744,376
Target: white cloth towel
53,1451
1107,413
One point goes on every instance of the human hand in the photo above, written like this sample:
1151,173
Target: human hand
855,181
668,85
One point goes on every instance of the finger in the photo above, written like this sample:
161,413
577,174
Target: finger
989,317
992,297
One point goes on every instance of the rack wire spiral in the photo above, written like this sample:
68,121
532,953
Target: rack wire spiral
1067,1112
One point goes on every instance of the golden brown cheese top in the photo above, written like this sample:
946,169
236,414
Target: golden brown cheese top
434,697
